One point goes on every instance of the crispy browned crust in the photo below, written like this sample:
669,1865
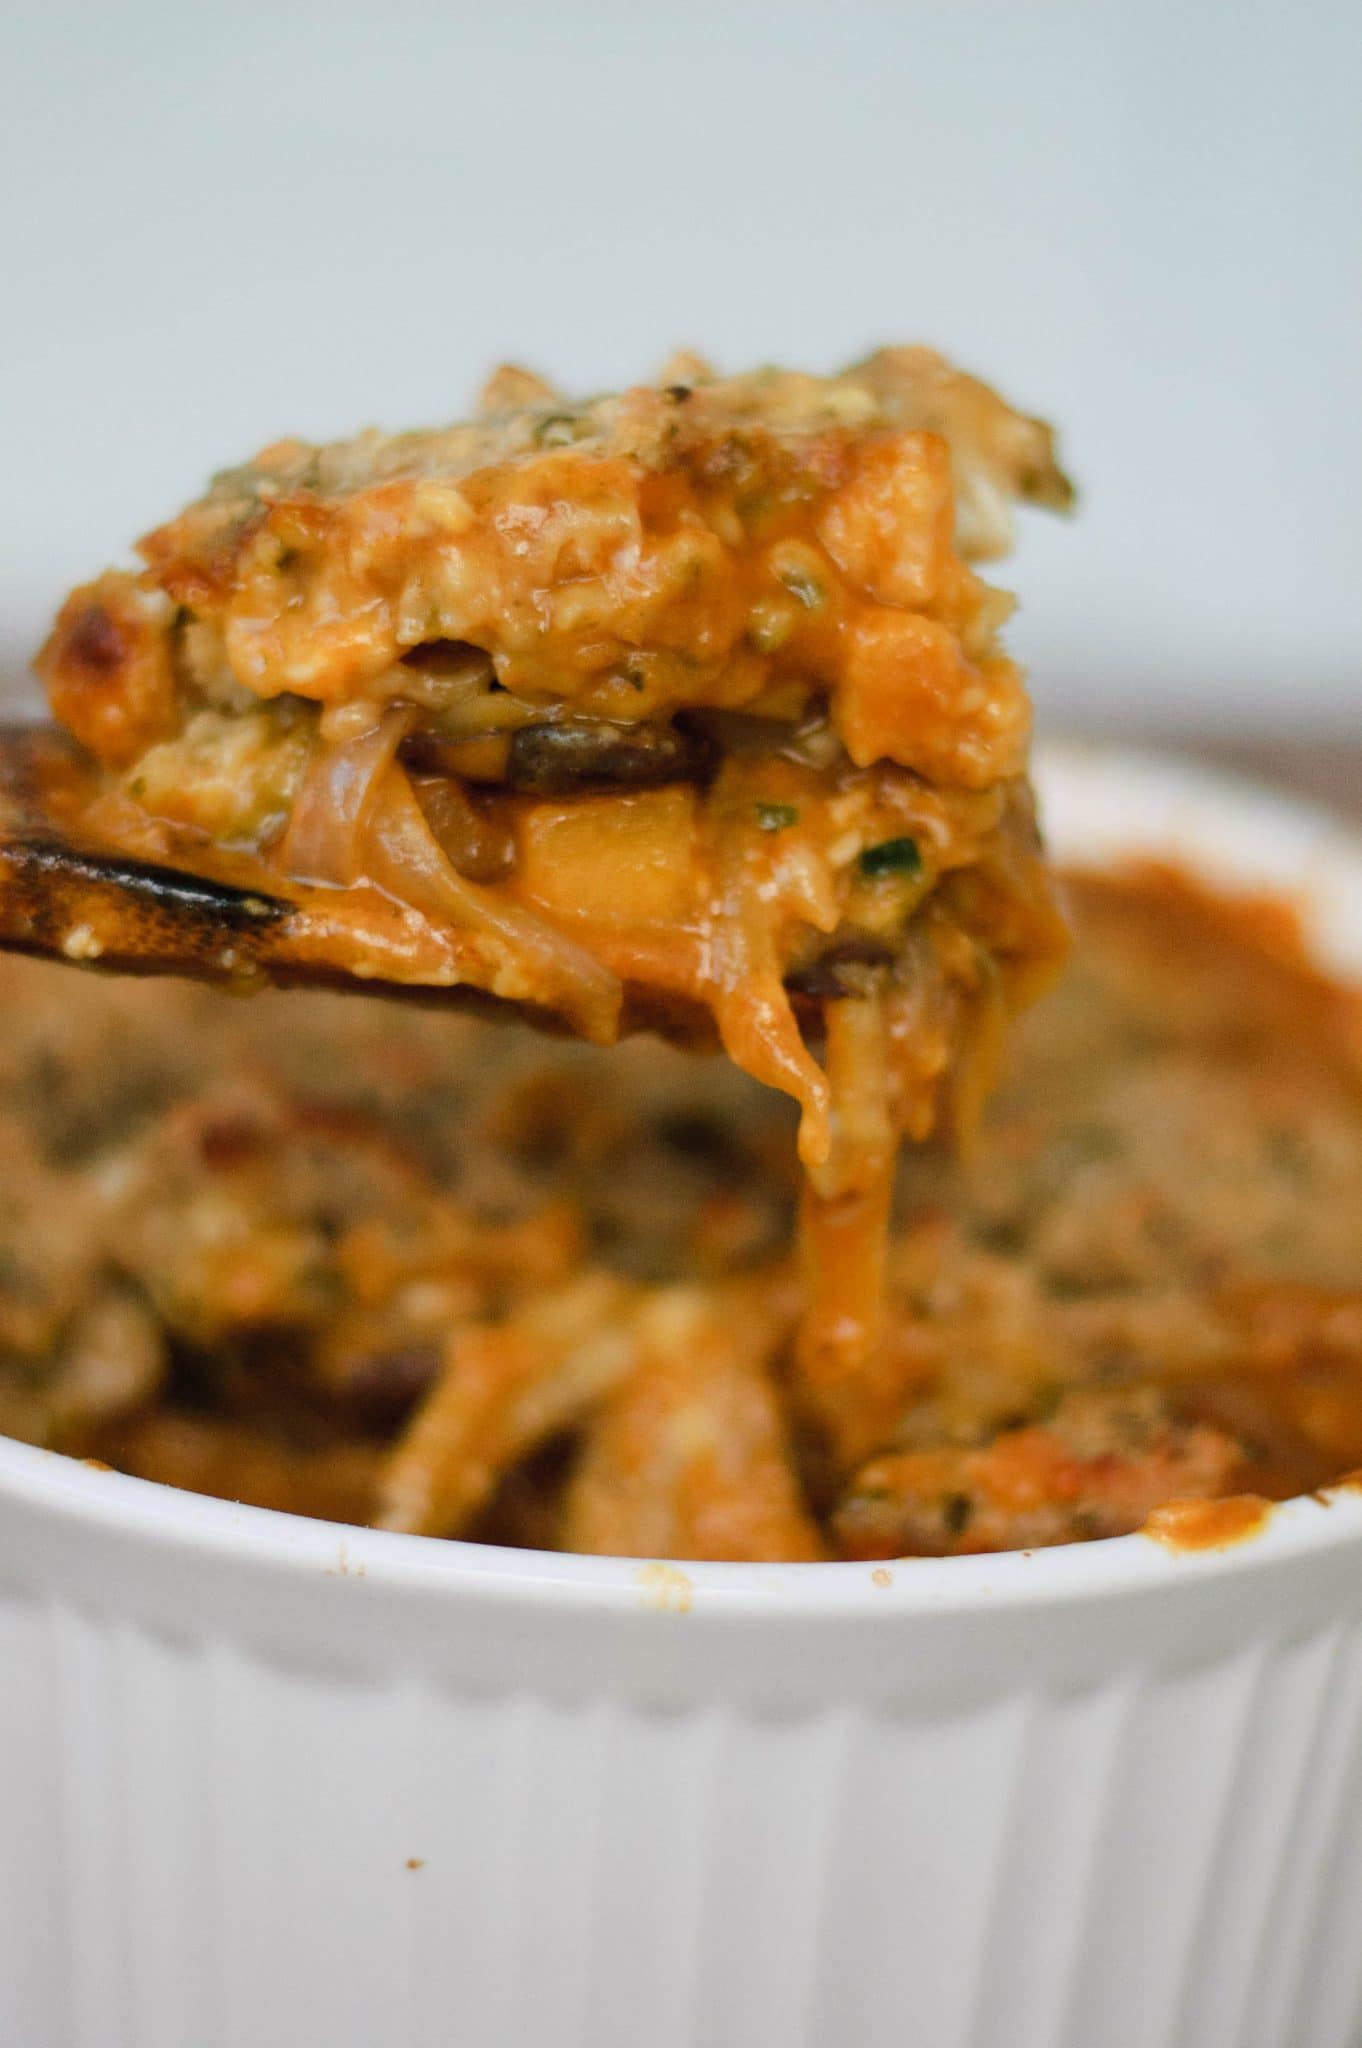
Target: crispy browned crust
999,454
755,543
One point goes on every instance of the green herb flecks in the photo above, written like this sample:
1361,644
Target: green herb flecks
770,626
558,430
801,584
775,817
896,857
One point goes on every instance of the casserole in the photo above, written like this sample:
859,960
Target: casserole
269,1780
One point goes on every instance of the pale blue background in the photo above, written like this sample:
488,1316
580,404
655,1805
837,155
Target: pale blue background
1144,218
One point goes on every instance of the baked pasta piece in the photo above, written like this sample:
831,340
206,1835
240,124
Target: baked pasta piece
682,709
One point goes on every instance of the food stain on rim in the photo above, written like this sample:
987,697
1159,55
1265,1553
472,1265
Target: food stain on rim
1193,1525
665,1589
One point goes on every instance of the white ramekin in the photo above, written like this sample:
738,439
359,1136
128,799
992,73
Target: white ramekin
266,1783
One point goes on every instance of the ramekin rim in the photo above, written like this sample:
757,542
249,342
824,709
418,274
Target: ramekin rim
194,1525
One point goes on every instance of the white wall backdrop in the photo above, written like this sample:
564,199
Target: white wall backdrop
1143,217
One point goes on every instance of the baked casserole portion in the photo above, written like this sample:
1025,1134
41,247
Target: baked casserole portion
682,709
587,687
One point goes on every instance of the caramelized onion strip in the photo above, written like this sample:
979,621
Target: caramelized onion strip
844,1232
690,1456
324,840
402,857
752,1008
504,1388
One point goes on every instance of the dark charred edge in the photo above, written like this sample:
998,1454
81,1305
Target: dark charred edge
131,916
43,870
149,919
83,903
114,914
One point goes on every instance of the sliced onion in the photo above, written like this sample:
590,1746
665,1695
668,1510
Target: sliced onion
844,1236
324,840
752,1009
402,856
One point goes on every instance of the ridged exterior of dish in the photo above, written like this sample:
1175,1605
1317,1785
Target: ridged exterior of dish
269,1785
211,1843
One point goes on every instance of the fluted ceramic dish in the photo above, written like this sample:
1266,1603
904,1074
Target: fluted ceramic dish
268,1783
